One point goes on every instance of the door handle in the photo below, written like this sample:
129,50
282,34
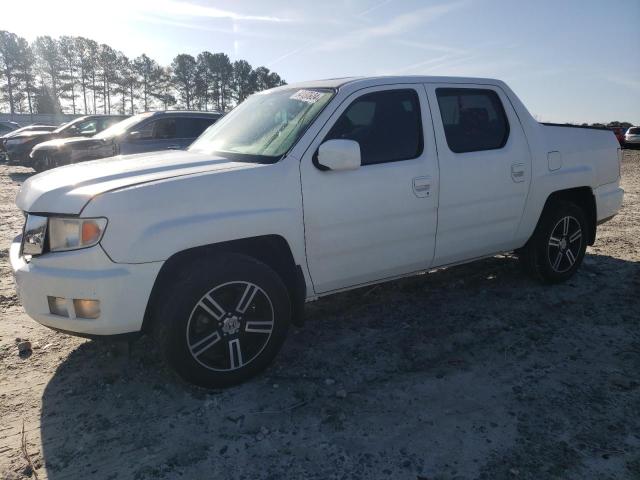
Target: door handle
422,186
517,172
174,147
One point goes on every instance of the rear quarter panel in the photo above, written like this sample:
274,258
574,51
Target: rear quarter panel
588,158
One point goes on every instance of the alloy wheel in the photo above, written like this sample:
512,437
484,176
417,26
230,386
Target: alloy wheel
565,242
230,326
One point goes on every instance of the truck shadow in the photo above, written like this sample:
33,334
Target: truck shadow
391,378
20,177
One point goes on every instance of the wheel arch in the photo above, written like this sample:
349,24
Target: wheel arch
581,196
273,250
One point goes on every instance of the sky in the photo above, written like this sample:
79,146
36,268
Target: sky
568,60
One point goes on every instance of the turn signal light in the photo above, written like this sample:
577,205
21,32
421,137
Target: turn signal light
90,232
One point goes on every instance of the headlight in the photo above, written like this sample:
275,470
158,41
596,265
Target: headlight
73,233
63,233
34,232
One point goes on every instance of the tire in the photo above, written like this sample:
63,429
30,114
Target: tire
557,247
44,162
223,320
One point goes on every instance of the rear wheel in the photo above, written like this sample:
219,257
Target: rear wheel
223,320
558,245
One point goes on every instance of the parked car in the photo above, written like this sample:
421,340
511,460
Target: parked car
19,147
13,133
146,132
619,133
6,127
300,192
632,137
30,128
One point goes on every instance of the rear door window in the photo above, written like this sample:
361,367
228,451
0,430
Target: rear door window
107,122
161,129
473,119
193,127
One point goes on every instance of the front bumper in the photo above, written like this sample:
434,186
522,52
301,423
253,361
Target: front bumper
122,289
18,154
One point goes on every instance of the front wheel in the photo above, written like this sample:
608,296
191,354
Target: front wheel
44,162
223,320
558,245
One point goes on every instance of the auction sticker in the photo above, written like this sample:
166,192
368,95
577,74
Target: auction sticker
309,96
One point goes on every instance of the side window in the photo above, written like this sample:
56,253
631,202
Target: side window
387,125
193,127
473,119
107,122
90,127
162,129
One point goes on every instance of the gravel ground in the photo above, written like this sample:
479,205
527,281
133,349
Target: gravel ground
471,372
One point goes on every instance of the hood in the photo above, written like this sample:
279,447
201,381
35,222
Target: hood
68,189
72,142
31,134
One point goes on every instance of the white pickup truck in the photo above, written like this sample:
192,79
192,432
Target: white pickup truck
300,192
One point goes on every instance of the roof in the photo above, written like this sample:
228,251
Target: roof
102,115
381,80
194,113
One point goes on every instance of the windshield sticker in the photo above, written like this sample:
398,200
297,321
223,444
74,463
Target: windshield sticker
308,96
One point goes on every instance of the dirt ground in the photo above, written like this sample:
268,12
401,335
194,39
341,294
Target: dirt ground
472,372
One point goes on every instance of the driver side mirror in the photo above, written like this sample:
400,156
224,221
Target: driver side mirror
338,155
134,136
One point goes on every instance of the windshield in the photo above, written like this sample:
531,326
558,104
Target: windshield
264,126
123,126
67,125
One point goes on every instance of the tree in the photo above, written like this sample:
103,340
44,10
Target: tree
164,90
244,80
45,101
26,72
87,51
267,79
262,78
126,82
274,80
149,75
107,64
9,59
79,75
133,84
184,77
224,78
50,63
205,79
69,57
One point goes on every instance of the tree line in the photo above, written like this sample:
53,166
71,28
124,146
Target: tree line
79,75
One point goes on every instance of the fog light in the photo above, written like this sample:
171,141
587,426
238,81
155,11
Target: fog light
86,308
58,306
